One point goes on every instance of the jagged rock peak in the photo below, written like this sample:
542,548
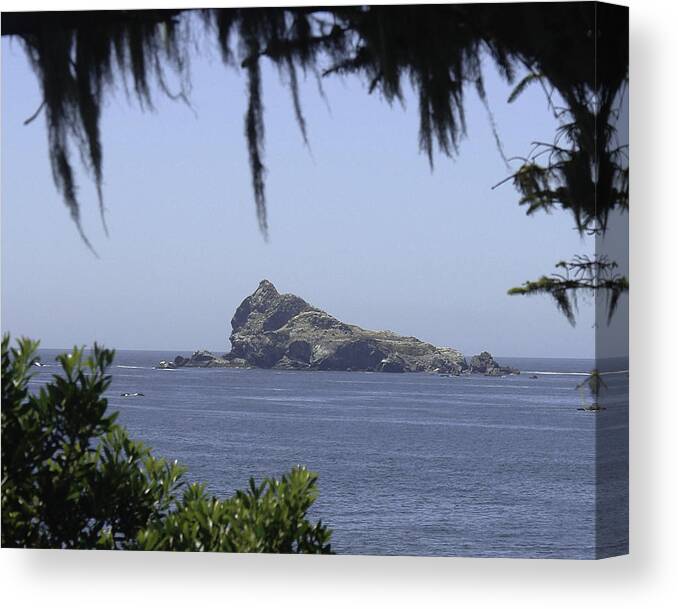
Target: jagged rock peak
266,290
266,310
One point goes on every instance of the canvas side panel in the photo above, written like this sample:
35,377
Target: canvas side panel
612,333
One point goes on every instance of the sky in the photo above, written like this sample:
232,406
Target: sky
359,224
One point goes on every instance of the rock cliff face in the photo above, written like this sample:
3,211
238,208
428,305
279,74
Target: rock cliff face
273,330
283,331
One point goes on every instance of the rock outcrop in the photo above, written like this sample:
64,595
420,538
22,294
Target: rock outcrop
202,359
273,330
283,331
486,364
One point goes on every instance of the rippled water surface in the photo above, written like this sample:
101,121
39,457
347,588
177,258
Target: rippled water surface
413,464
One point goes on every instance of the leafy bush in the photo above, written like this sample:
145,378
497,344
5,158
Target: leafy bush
73,478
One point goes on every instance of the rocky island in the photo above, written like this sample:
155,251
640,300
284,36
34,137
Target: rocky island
283,331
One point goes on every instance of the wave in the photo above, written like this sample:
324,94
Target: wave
542,372
572,373
136,367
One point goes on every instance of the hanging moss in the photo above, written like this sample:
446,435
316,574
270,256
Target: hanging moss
80,57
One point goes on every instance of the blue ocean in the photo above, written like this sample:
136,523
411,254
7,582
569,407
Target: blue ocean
409,464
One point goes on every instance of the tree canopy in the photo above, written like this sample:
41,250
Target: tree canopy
578,53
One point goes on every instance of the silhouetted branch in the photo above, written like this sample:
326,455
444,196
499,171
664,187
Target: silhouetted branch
582,274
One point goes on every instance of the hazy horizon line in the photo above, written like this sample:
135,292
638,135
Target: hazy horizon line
180,351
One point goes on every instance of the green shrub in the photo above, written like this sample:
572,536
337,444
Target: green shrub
73,478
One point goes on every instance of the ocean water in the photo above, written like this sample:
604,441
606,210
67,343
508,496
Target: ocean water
409,464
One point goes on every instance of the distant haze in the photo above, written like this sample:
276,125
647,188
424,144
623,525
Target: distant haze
359,225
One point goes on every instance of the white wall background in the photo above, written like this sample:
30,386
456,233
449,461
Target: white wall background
645,579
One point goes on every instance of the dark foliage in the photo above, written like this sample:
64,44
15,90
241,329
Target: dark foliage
72,477
580,275
583,170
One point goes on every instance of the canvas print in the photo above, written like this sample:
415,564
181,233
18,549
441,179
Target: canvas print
328,280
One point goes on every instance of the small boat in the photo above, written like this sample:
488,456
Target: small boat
131,395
